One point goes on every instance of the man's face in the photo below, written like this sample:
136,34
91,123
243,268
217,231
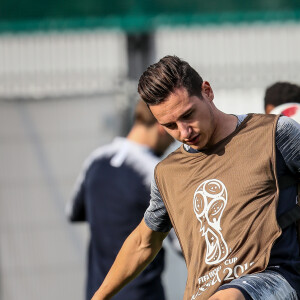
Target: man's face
188,119
163,142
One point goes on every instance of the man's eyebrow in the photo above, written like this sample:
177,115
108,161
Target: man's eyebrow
182,115
187,112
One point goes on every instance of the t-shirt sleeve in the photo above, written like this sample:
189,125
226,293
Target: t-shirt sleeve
156,216
75,207
288,142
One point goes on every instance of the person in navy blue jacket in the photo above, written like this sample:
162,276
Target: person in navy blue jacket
112,194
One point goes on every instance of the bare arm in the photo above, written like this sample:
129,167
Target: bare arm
138,250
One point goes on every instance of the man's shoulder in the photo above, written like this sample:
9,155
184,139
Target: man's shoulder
103,152
256,121
287,130
171,157
287,123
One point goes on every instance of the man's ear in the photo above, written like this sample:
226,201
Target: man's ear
207,90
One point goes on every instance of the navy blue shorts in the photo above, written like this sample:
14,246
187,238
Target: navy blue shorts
268,285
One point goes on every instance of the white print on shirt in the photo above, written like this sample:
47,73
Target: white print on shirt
210,199
230,271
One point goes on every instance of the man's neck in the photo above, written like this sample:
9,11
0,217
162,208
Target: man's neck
225,124
231,126
141,135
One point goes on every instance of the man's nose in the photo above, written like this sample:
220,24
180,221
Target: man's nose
185,130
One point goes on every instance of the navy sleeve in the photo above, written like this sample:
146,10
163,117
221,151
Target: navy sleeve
288,143
75,208
77,211
156,216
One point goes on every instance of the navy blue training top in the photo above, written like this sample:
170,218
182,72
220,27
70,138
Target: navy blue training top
112,194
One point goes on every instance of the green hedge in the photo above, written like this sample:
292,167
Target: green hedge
138,15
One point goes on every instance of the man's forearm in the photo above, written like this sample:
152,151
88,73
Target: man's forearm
137,252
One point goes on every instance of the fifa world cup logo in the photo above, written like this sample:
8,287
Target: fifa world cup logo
210,199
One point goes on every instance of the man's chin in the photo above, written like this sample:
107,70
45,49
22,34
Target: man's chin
196,147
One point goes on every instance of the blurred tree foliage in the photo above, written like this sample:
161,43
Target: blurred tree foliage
131,10
39,9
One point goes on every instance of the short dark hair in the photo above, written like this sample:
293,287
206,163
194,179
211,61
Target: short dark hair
281,93
162,78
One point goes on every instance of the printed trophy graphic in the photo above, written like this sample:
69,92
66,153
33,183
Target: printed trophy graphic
210,199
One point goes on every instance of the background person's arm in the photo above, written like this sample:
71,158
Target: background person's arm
75,208
138,250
